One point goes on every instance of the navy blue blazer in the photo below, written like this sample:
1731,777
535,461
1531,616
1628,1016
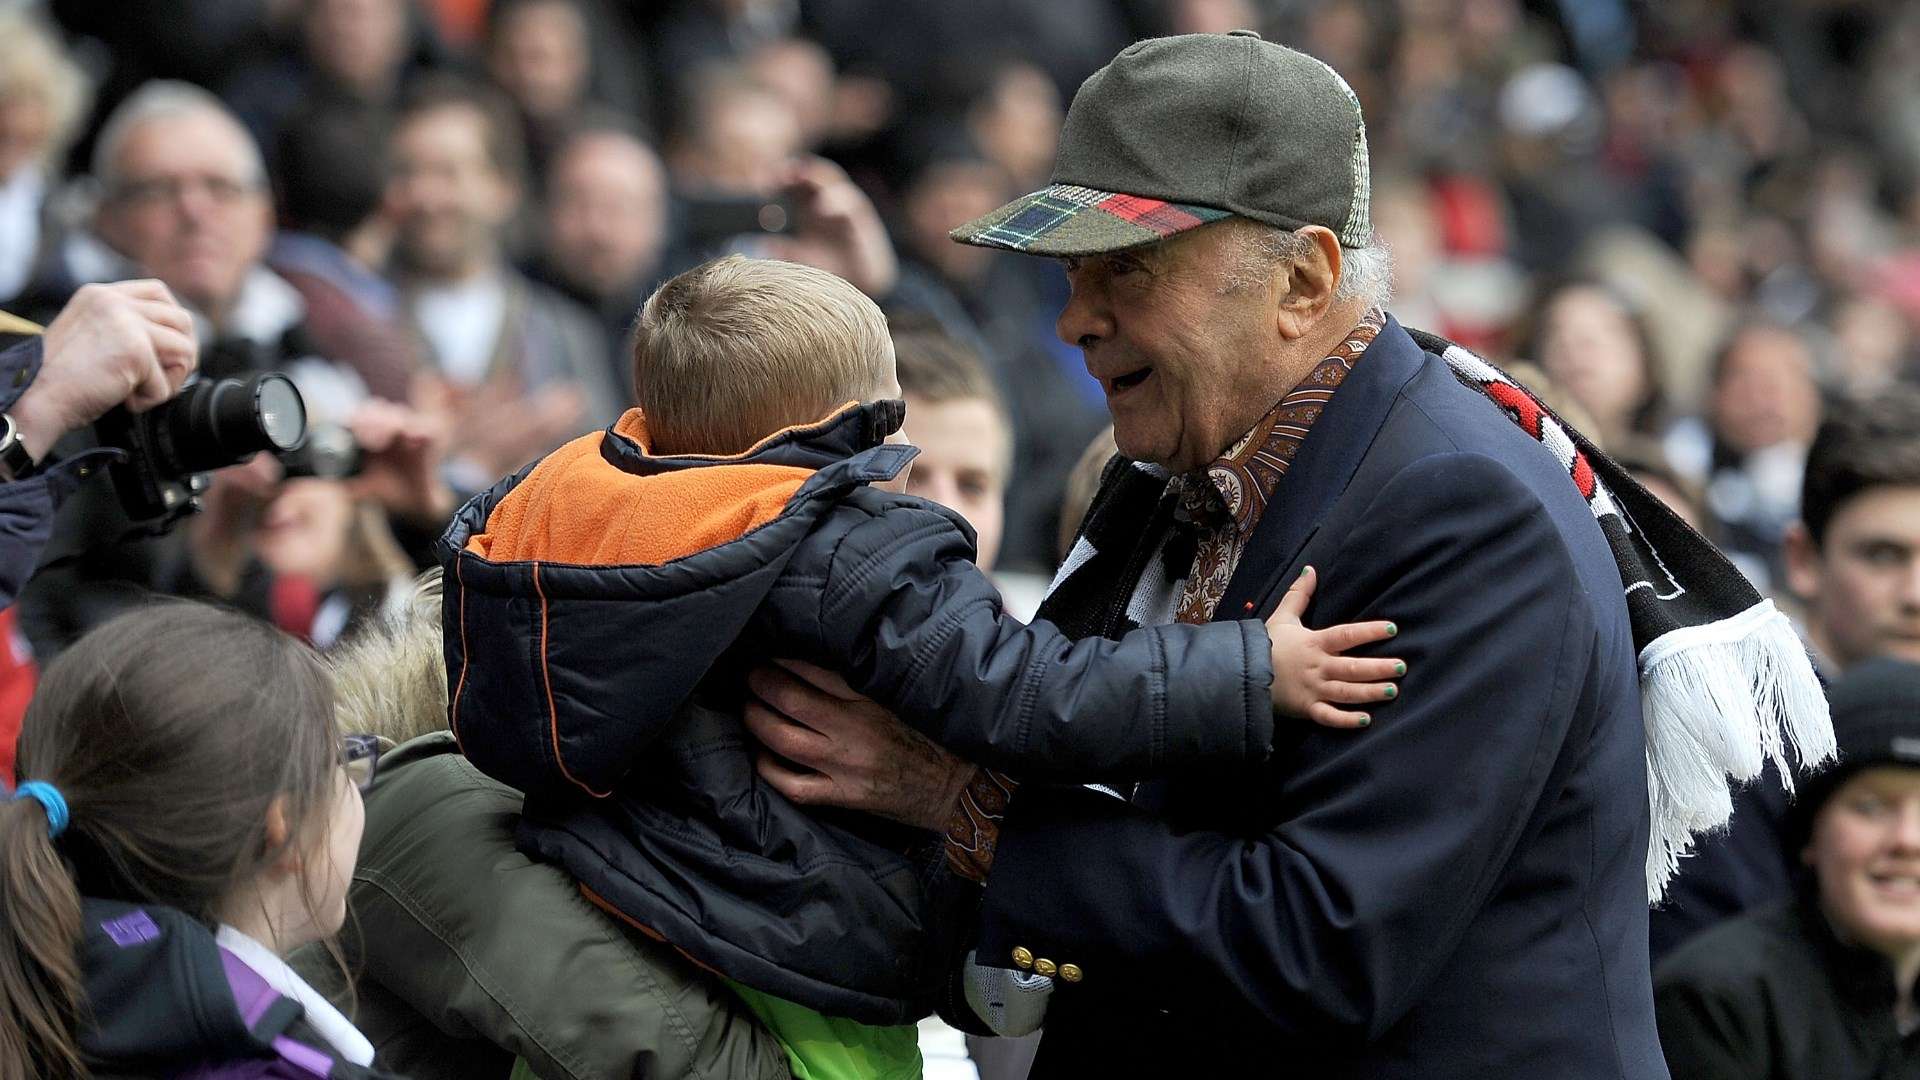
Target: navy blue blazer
1456,891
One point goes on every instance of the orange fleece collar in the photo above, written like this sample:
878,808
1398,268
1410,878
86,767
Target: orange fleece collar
604,500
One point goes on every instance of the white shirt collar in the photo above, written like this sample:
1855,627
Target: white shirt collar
339,1032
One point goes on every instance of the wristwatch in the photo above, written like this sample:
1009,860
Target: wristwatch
15,462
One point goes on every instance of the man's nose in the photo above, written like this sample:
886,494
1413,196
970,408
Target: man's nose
1910,586
1085,320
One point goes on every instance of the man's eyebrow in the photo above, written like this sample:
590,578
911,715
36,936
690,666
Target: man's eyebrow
1896,543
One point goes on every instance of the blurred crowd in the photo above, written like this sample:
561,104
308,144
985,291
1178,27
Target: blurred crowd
1696,219
1694,226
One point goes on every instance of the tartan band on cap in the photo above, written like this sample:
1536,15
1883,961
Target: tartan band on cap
1065,219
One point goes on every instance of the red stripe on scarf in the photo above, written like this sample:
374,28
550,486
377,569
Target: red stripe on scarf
1519,403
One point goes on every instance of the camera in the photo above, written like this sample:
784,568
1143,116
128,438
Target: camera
211,424
330,452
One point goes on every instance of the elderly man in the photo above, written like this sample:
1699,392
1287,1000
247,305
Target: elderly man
1461,889
184,197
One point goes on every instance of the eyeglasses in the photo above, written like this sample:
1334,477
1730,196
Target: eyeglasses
222,190
360,756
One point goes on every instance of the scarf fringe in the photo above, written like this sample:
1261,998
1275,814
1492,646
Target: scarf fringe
1719,701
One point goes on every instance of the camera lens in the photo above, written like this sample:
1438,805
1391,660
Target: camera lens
212,425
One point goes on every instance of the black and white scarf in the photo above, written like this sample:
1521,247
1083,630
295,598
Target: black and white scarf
1725,683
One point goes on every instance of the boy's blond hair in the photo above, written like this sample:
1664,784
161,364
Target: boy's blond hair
737,349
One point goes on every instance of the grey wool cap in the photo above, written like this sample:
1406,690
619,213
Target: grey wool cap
1178,131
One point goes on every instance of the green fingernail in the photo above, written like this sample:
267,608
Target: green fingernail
1399,667
1305,570
1365,720
1392,630
1392,691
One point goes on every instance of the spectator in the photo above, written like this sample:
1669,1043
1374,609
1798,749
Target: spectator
330,188
1591,343
191,816
999,302
607,217
735,137
316,555
540,53
1750,450
1016,121
1821,985
43,97
735,159
1854,556
125,344
519,367
1853,560
801,73
955,417
184,198
347,53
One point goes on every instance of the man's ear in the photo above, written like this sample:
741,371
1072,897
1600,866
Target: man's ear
1308,284
1803,562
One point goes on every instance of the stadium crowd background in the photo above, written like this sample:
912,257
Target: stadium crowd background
1693,225
1697,218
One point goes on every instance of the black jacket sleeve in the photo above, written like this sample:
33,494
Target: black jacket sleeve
1710,1031
1387,842
911,622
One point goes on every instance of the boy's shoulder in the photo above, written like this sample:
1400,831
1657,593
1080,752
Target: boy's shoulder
873,517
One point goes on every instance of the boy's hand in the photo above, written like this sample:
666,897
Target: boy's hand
1310,675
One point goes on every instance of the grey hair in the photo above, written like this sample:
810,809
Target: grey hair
164,99
34,63
1366,273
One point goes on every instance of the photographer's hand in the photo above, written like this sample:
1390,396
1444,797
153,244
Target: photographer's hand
405,449
836,228
128,342
221,538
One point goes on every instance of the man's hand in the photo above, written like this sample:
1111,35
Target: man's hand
837,229
221,537
128,342
501,424
1309,674
404,450
852,752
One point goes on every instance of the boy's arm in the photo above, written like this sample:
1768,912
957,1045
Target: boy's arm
909,620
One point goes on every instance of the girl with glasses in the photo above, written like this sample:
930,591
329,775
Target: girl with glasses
188,815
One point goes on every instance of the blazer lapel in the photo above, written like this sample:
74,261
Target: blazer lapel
1319,474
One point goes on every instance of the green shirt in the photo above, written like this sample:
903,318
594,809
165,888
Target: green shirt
821,1047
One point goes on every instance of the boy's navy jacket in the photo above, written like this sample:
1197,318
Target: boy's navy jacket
166,1000
603,605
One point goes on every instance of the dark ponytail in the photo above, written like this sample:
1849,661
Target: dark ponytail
169,731
39,931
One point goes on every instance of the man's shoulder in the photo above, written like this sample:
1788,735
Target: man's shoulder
1437,419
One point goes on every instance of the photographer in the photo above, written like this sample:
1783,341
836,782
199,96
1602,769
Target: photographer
128,342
